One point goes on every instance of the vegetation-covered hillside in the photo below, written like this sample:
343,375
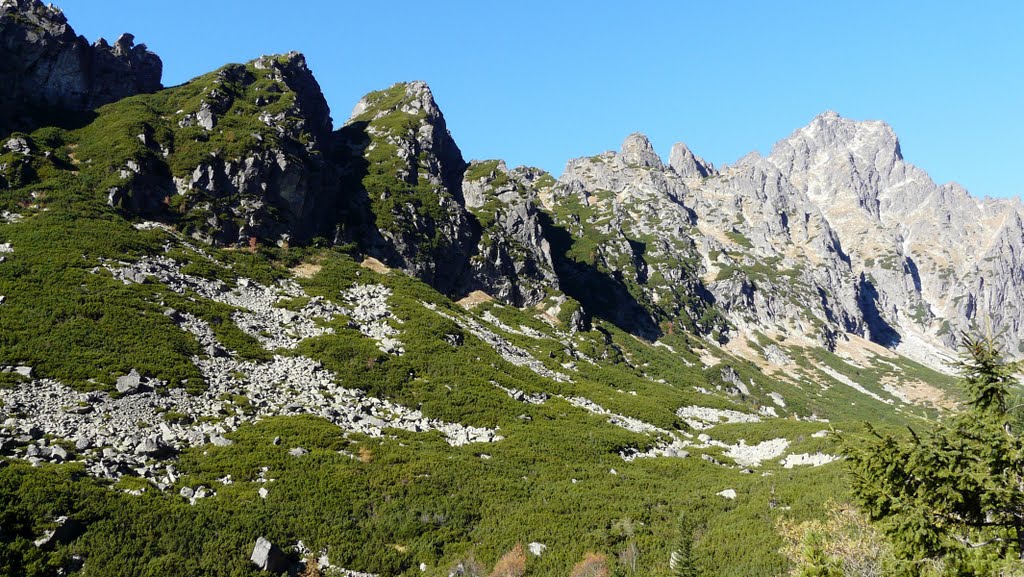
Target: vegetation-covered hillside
223,323
568,472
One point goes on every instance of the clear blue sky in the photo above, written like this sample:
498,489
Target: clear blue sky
540,82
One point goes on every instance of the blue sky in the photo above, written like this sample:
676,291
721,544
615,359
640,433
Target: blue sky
540,82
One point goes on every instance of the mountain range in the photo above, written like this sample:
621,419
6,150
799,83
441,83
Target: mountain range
193,270
857,240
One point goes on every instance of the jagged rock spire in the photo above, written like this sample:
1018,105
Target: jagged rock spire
687,164
637,149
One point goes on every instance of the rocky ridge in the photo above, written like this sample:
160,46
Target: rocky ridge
833,233
46,68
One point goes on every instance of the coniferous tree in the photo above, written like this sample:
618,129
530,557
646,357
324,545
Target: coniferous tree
681,562
954,493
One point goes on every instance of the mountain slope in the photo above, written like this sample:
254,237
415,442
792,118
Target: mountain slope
222,319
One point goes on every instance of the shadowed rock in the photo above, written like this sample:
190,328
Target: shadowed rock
46,69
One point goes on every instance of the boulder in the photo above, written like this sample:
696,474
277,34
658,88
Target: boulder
153,446
66,530
130,383
58,453
268,557
18,145
220,441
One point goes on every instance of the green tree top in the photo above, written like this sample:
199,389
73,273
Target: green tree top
954,493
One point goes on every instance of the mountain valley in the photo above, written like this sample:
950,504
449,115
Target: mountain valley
235,338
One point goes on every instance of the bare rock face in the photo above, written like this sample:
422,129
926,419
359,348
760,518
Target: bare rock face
937,260
772,258
513,260
688,165
45,66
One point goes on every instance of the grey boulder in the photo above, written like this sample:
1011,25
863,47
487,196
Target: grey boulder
268,556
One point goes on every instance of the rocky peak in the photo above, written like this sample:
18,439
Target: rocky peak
255,137
409,115
852,169
414,98
830,135
420,98
688,165
637,149
291,70
407,171
45,65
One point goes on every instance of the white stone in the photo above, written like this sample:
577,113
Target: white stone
806,459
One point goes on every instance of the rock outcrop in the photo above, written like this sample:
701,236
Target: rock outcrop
45,68
402,178
276,188
513,260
